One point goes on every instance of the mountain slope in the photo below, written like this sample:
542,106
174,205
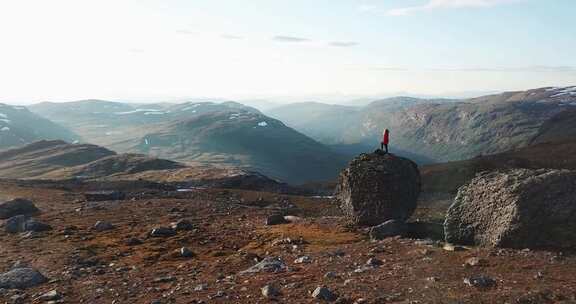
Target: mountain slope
243,139
57,159
441,129
44,156
19,126
554,146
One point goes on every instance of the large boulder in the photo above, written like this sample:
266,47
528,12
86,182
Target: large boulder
520,208
18,206
21,278
378,187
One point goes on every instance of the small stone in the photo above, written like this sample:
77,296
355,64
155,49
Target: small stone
275,219
103,226
164,279
182,225
450,247
162,232
292,218
186,252
200,287
133,242
269,264
374,262
539,275
303,260
323,293
330,275
480,281
270,292
52,295
475,261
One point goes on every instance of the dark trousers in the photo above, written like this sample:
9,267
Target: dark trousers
384,147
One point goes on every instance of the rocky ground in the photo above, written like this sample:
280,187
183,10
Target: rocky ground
207,261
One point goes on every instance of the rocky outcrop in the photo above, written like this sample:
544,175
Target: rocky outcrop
378,187
18,206
23,223
520,208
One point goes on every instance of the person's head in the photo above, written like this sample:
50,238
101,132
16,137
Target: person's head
386,131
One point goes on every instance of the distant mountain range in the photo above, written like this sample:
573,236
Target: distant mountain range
436,129
226,133
299,142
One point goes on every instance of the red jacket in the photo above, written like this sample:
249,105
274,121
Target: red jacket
386,137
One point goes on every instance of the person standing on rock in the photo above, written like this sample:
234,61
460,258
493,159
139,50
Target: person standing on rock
385,140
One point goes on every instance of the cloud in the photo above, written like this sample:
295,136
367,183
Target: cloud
289,39
343,43
231,37
443,4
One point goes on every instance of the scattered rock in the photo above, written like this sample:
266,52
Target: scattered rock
388,229
330,275
162,232
18,206
292,219
535,209
21,278
303,260
475,261
269,264
323,293
52,295
450,247
22,223
270,292
103,226
376,188
374,262
480,281
186,253
133,241
182,225
164,279
275,219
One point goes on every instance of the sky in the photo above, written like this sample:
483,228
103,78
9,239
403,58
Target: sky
156,50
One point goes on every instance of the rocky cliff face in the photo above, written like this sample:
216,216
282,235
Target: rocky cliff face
519,209
378,187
